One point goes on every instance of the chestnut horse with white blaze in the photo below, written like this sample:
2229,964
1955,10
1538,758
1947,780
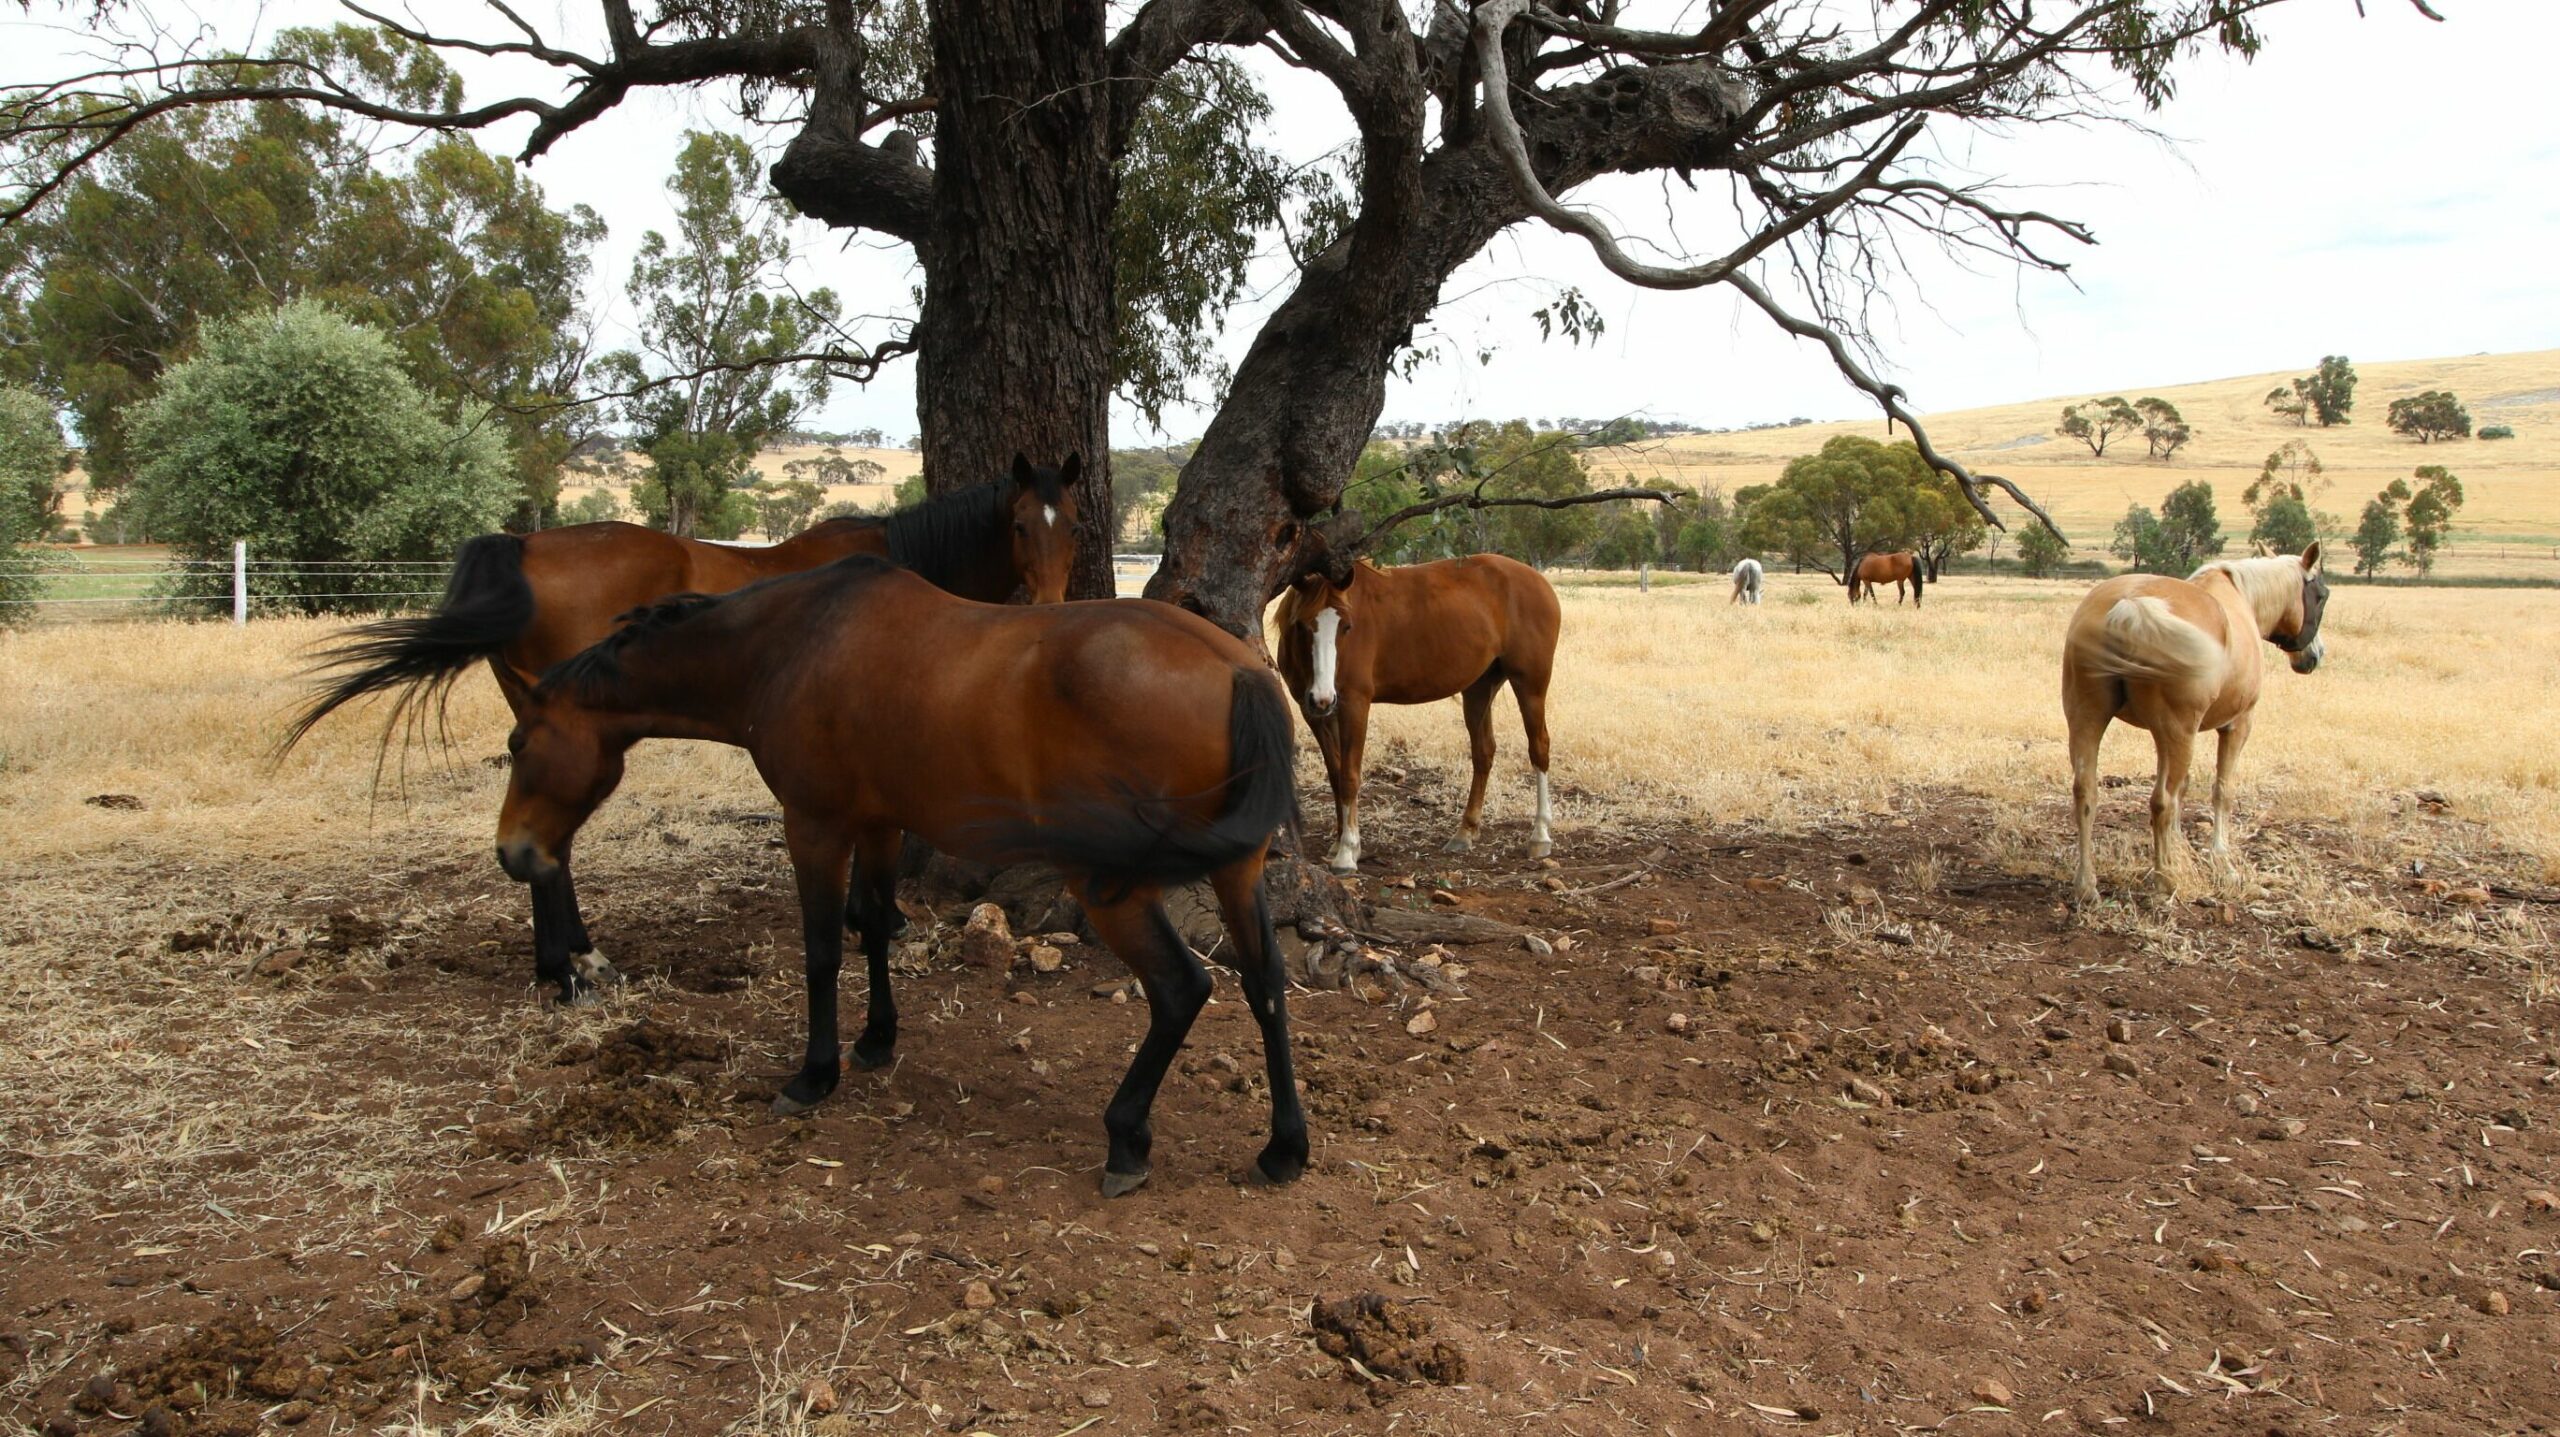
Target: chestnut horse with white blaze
525,603
1355,634
1894,569
1129,744
2180,657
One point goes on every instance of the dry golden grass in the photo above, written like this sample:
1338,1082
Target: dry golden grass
2510,526
1806,708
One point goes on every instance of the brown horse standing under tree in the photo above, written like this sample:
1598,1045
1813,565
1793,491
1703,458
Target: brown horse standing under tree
1894,569
1353,634
1130,744
526,603
2179,657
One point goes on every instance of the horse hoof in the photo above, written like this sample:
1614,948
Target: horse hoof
593,967
1121,1184
787,1106
1459,844
1541,849
1340,867
867,1054
1271,1171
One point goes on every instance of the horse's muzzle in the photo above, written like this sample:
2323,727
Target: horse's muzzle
1322,707
526,863
2305,659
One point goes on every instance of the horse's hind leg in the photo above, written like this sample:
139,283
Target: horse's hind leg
1532,694
819,857
2087,716
2176,742
1478,701
874,906
2226,767
1134,926
1266,992
855,898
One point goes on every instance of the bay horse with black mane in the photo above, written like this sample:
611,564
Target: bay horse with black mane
1353,634
1129,744
525,603
2180,657
1894,569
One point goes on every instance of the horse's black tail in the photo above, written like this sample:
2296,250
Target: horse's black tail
1919,570
486,604
1140,841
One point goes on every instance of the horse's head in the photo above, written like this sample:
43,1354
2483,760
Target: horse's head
563,764
2298,632
1322,606
1044,526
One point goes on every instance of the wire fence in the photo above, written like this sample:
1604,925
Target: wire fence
78,586
72,585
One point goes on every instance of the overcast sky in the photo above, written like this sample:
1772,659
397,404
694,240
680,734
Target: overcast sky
2381,187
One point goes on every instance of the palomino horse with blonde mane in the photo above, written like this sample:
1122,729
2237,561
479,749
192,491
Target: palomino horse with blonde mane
1894,569
2179,657
525,603
1353,634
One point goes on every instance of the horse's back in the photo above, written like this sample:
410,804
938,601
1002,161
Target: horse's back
2167,643
584,576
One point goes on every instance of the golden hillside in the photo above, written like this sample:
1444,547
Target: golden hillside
2509,527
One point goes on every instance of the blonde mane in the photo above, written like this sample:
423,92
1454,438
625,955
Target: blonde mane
2270,584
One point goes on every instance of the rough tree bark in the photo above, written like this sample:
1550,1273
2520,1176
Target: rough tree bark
1311,387
1015,338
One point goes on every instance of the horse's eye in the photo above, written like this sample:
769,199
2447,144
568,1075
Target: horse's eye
1021,530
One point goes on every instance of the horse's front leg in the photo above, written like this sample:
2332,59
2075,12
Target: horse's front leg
820,854
1352,735
583,957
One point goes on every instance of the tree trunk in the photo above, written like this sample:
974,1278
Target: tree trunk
1015,339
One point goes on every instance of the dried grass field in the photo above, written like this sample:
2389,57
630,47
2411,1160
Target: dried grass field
1821,1113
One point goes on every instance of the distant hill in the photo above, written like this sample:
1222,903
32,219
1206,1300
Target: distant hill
2510,525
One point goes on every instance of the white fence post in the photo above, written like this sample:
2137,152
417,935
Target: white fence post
240,581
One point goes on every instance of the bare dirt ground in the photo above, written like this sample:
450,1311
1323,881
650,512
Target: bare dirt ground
1855,1132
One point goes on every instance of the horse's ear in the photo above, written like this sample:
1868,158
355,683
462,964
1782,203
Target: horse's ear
1072,470
2311,558
1341,572
1022,475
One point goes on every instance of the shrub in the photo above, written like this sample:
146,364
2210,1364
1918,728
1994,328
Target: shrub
297,430
2497,431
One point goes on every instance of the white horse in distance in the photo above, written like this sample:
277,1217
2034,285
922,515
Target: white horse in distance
1746,582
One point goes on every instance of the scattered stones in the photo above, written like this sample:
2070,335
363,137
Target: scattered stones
2494,1303
1869,1093
1661,927
1537,945
2542,1200
1676,1023
2283,1130
985,940
2319,941
466,1289
818,1397
278,963
977,1297
2245,1104
1046,958
2124,1064
1096,1397
1422,1023
1991,1392
1026,998
2120,1030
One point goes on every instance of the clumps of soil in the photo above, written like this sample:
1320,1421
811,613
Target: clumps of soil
1384,1339
345,931
642,1088
232,1359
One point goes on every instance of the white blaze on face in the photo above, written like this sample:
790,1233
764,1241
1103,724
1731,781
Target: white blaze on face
1320,688
1049,515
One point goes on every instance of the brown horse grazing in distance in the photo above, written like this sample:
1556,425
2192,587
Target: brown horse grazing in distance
1353,634
526,603
1894,569
1129,744
2179,657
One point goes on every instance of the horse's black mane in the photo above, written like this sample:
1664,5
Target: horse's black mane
600,663
587,673
945,535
